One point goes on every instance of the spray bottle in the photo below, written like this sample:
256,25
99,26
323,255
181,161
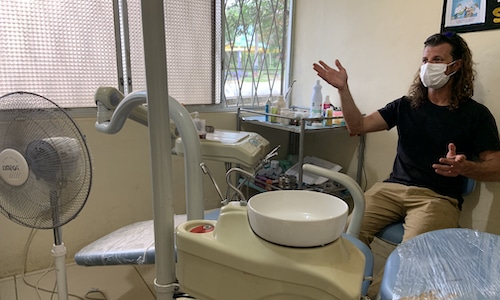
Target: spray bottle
316,101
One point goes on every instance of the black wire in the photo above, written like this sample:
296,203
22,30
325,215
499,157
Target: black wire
96,291
182,295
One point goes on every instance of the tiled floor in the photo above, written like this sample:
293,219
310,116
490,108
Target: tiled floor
116,282
126,282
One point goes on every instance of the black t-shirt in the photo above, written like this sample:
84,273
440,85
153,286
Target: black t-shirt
424,134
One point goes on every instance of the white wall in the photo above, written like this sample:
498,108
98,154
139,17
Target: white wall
380,44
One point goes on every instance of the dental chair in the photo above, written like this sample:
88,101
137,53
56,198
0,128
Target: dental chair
134,244
427,248
393,233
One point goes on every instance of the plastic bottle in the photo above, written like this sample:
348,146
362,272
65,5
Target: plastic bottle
274,111
339,120
329,113
326,104
316,101
200,126
280,103
268,109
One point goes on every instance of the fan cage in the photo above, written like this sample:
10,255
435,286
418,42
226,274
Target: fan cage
60,170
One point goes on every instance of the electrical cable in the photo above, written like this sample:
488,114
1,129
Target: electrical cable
36,286
53,289
366,179
182,295
95,291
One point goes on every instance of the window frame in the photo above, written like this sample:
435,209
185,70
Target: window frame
222,106
286,67
123,62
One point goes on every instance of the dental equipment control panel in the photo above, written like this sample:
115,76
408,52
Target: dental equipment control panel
240,147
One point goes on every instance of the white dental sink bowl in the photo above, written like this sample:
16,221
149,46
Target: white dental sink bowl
297,218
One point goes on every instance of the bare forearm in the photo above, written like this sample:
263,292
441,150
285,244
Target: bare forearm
486,170
352,115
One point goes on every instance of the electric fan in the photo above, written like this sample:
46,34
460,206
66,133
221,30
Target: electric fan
46,171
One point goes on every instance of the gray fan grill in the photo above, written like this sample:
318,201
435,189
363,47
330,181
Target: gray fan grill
60,171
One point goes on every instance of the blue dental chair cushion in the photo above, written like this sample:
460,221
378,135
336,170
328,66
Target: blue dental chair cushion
392,233
369,261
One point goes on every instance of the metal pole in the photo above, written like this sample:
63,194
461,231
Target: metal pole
361,158
301,152
161,158
289,49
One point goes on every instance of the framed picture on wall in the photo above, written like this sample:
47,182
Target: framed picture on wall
470,15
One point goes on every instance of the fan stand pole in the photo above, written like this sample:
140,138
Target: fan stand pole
59,255
58,251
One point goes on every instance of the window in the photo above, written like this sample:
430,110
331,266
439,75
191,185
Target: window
65,50
190,29
62,50
255,50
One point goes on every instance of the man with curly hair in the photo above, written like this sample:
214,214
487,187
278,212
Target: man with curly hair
444,136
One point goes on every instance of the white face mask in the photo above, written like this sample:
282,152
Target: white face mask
433,76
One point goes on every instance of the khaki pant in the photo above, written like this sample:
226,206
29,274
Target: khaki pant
421,209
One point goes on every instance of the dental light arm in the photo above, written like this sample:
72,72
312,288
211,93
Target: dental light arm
106,99
113,111
132,107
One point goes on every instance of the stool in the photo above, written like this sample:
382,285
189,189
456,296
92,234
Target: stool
453,263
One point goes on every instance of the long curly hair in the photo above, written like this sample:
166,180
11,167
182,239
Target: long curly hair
463,79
